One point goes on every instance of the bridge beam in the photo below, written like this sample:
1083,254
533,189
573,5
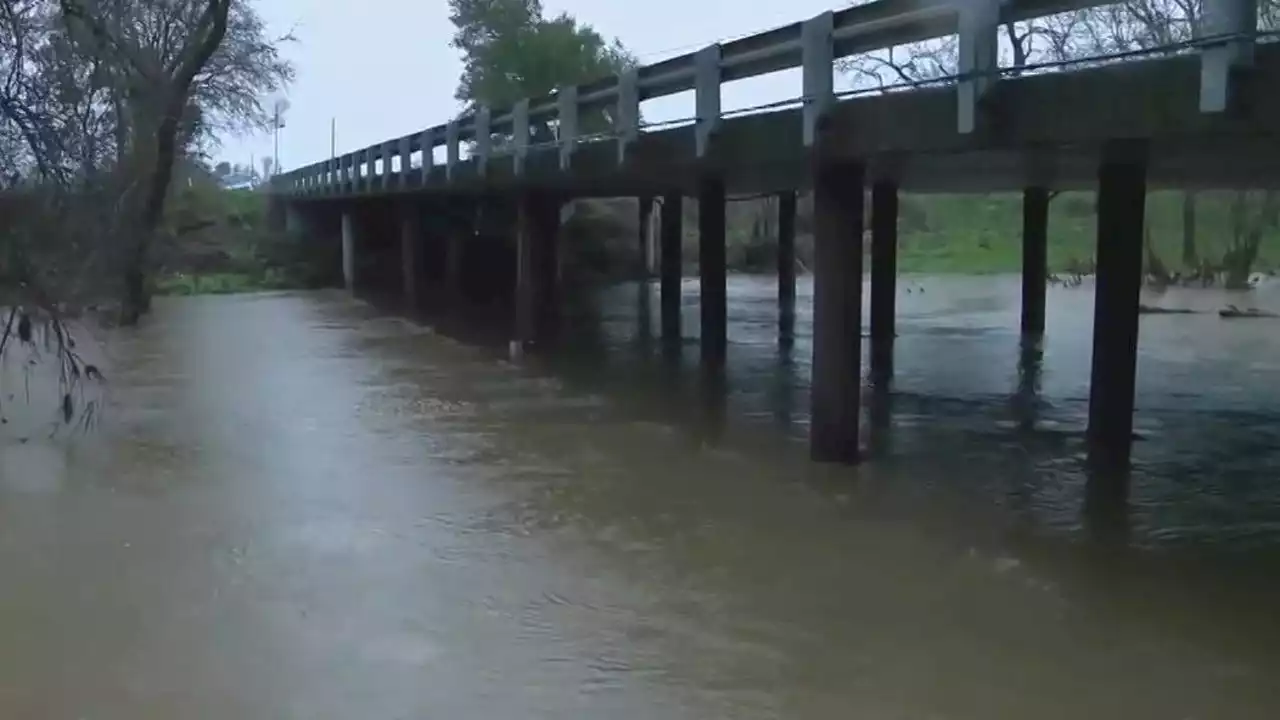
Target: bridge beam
786,268
711,270
1035,258
1122,191
672,270
837,312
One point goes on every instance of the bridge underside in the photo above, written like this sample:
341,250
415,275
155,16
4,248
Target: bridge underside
1043,130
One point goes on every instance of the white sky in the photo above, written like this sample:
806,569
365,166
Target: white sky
384,68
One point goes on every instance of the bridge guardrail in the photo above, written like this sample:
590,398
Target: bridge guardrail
812,45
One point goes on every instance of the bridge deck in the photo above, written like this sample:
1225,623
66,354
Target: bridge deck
1041,129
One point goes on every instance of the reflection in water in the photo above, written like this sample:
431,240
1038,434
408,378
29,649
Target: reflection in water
960,382
301,509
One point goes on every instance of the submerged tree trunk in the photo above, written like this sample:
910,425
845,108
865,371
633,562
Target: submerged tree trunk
1247,236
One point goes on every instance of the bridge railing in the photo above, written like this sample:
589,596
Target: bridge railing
812,45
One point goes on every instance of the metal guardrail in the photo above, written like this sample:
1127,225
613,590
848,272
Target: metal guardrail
812,45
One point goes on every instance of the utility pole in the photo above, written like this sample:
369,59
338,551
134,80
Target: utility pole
275,154
278,109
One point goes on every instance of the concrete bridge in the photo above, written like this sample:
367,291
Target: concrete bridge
1198,114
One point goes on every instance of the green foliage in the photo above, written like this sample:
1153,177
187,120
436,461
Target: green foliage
982,233
220,241
510,51
220,283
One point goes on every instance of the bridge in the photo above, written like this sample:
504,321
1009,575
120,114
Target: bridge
1194,114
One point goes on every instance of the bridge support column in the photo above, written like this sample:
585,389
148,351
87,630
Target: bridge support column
835,390
884,277
711,270
1035,258
672,270
456,234
1122,191
538,224
644,215
411,255
349,250
294,222
787,268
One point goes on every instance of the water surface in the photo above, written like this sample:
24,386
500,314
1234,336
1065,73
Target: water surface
296,508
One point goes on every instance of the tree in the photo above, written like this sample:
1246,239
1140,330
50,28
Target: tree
102,104
510,51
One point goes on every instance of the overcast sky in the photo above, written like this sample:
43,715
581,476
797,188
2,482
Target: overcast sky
384,68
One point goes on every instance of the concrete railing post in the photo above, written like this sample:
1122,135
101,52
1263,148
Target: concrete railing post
1237,20
628,121
567,116
706,79
428,155
979,58
817,56
388,151
453,149
406,153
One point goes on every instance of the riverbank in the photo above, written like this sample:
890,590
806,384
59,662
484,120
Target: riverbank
981,234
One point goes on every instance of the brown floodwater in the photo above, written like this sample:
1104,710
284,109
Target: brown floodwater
295,507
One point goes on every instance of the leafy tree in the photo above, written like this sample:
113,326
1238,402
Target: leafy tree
103,100
511,51
103,105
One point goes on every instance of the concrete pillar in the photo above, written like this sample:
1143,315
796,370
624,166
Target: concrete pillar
348,250
837,312
459,229
644,215
711,270
411,255
277,212
293,221
538,223
548,320
1035,258
787,268
1122,191
672,232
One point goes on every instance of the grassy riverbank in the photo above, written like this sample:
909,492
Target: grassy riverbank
221,243
979,234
